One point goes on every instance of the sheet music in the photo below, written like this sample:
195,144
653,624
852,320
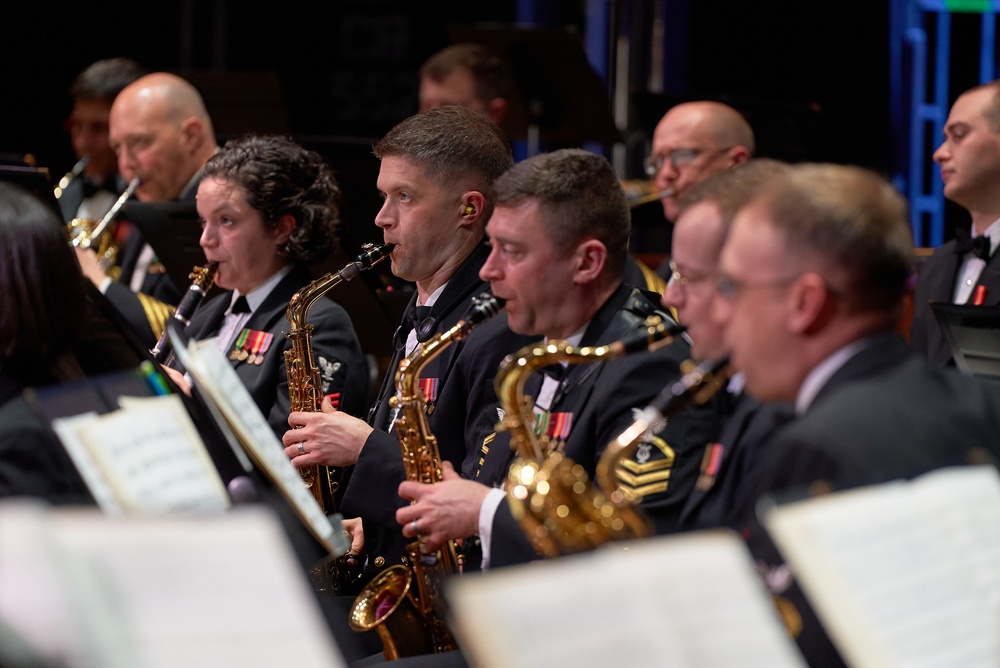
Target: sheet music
34,600
153,459
221,387
692,600
66,430
222,590
902,573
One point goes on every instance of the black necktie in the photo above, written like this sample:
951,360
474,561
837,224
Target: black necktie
241,305
978,246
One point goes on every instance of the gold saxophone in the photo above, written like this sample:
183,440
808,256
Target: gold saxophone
549,494
305,383
695,387
409,621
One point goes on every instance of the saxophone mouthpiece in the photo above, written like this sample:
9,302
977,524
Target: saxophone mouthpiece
370,256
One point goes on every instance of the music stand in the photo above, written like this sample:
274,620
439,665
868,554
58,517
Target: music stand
973,334
35,180
173,229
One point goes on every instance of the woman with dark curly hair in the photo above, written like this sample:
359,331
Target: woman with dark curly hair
268,209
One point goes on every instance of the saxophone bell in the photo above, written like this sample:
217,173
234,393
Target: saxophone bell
305,393
402,603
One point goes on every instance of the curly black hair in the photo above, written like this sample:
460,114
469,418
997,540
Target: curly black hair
279,177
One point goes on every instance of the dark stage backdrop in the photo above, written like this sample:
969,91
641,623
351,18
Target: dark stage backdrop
813,77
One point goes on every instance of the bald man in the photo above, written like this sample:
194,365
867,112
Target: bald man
161,132
693,141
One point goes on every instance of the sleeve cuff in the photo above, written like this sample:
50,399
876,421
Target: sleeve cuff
487,512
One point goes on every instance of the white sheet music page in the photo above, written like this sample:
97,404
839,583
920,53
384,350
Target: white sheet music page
153,458
219,384
679,601
222,590
35,600
903,573
66,429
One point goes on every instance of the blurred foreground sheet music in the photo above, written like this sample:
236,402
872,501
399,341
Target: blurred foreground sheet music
670,602
145,458
905,573
86,590
222,389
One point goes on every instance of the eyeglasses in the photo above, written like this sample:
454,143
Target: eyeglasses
729,288
679,157
680,280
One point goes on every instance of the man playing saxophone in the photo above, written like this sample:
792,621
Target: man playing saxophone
706,211
559,239
436,175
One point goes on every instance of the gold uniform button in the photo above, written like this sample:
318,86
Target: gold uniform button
380,562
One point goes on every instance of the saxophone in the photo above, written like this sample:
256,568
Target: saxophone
399,603
203,277
550,494
695,387
305,383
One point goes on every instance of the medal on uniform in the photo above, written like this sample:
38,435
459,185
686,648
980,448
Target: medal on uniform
711,462
429,388
254,345
265,343
554,427
238,351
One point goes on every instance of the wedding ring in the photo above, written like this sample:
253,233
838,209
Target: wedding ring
302,450
413,525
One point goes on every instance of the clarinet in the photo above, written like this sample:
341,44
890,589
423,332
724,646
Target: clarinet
203,278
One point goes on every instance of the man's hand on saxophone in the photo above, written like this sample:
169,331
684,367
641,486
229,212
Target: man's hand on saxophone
448,510
327,438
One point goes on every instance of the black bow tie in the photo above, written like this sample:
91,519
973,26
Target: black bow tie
979,246
241,305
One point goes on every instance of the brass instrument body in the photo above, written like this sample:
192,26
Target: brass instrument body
695,387
640,191
549,494
87,234
105,246
305,382
202,278
401,603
